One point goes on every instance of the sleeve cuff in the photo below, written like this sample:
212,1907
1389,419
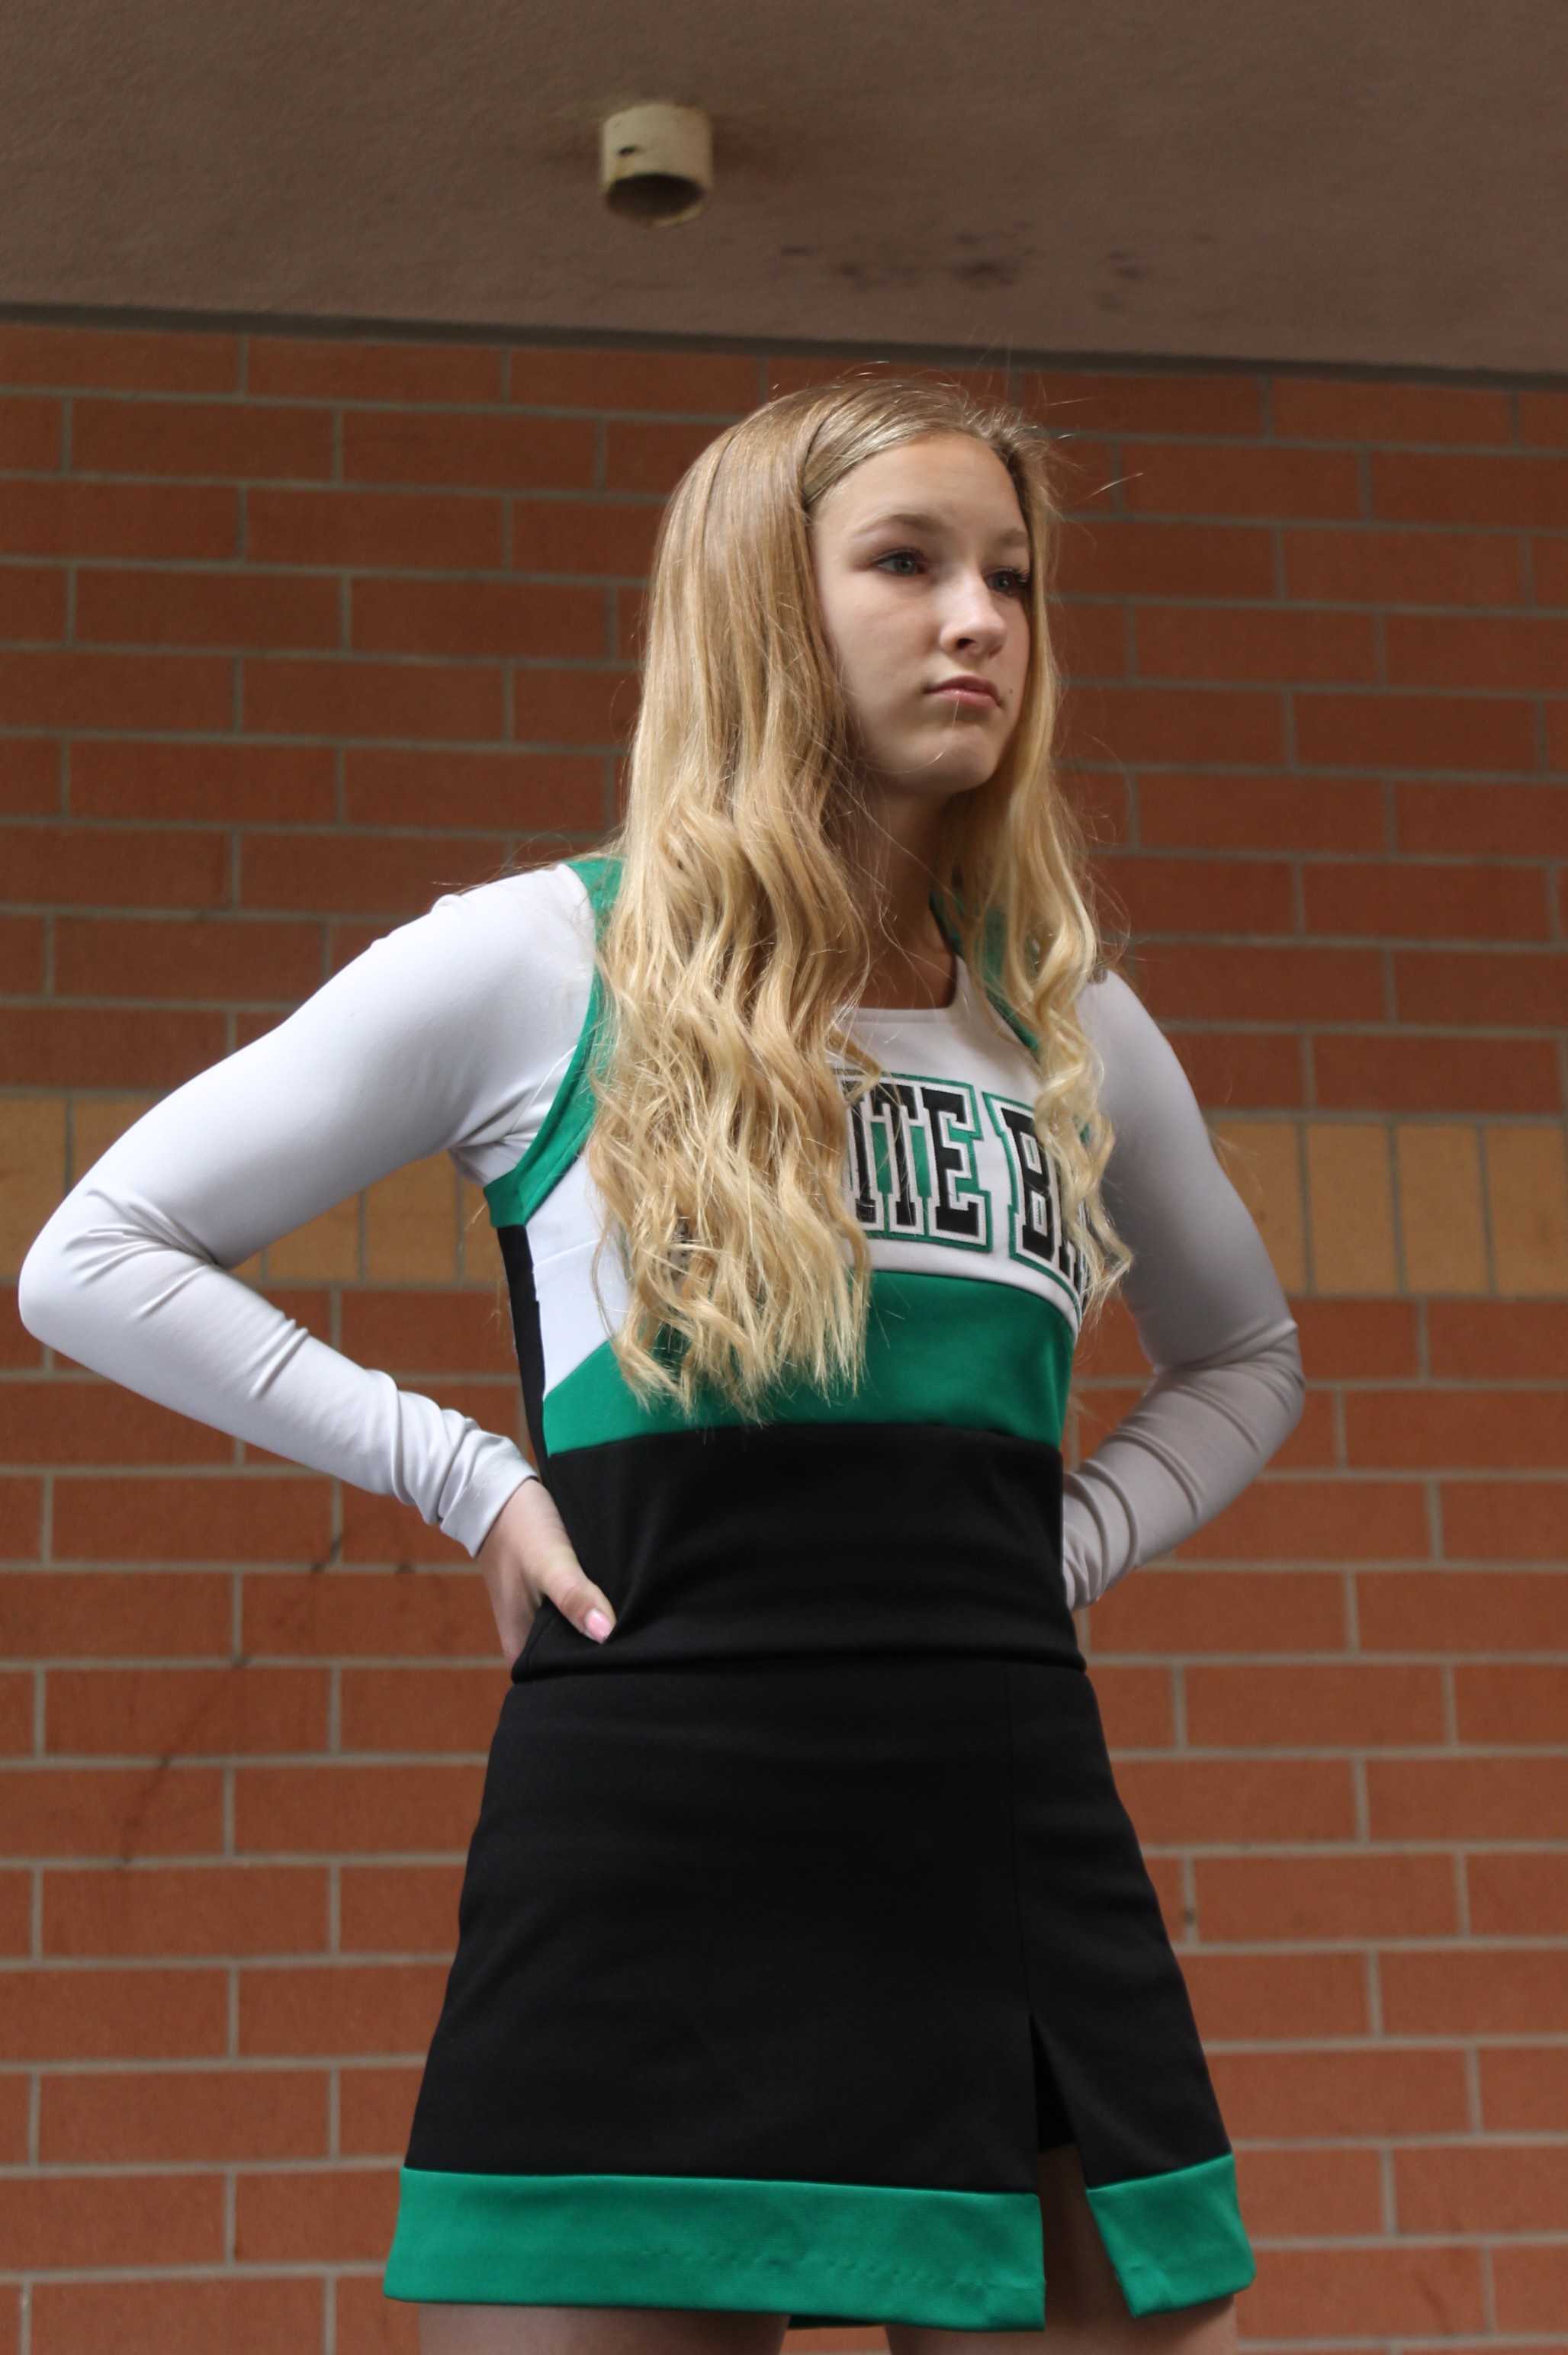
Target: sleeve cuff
499,1478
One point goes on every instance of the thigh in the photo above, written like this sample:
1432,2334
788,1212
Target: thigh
457,2329
1083,2294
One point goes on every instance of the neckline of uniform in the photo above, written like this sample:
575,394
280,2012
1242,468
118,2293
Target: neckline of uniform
922,1013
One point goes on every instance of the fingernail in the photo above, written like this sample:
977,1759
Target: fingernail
598,1626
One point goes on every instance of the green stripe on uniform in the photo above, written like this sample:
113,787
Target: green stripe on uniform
991,1357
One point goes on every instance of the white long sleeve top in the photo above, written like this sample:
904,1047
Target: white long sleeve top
451,1034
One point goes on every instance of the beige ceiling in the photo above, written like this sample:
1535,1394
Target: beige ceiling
1373,182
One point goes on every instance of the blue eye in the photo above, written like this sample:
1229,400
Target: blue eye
1021,579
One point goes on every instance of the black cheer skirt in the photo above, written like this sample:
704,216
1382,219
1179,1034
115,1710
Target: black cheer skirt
801,1915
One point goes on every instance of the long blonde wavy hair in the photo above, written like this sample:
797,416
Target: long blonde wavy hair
741,935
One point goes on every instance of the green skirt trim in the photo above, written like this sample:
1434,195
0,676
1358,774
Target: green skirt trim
957,2260
1176,2239
962,2260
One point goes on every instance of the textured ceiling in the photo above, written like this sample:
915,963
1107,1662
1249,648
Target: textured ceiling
1374,182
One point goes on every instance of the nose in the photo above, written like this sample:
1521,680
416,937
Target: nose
973,623
973,611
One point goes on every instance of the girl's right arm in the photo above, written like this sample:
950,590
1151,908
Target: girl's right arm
449,1032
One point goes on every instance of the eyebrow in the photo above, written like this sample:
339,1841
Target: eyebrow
917,520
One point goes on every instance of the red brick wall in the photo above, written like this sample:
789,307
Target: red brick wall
296,633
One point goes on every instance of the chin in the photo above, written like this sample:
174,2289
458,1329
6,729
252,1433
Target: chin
965,776
958,768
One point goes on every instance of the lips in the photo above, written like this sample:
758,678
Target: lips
966,686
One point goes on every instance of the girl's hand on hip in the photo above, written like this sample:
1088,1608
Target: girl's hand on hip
526,1556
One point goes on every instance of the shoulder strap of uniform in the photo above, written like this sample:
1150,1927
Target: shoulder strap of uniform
513,1199
990,961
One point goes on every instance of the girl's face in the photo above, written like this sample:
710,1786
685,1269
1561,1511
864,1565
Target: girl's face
906,605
